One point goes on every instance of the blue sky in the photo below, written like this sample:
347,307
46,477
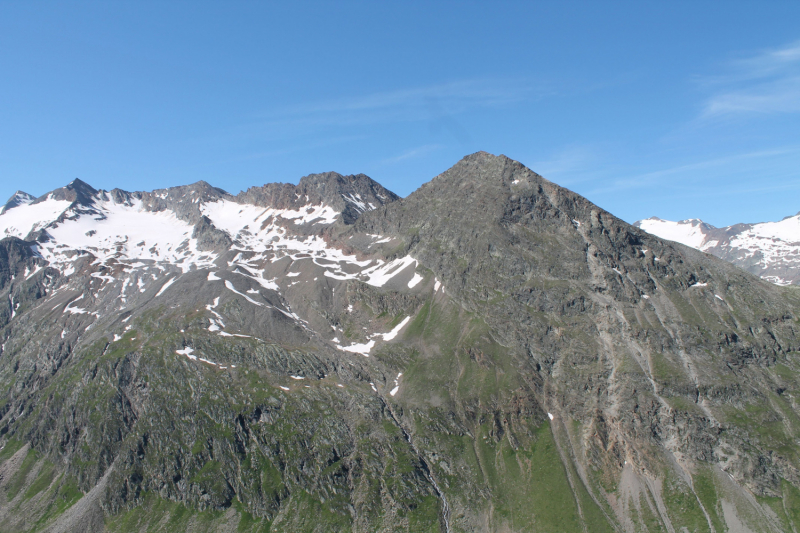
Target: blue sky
672,109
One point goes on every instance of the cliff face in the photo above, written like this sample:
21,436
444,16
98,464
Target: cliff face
493,352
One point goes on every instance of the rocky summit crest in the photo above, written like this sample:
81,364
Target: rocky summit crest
77,191
350,195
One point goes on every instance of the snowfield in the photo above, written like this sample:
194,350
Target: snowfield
689,232
22,219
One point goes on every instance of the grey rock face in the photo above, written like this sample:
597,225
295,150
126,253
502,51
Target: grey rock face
209,237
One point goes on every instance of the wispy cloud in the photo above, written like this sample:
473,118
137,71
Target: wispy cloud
680,173
293,148
571,164
413,153
431,103
441,107
767,82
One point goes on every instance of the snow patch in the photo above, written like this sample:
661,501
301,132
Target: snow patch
396,385
165,286
231,288
378,276
392,334
362,349
73,310
187,351
687,232
35,270
356,201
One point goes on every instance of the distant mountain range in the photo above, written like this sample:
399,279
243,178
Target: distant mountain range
491,353
770,250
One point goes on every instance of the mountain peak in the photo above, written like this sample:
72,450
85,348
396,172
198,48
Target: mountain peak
486,180
203,186
350,195
486,172
482,155
483,158
81,188
18,198
77,183
76,190
321,179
